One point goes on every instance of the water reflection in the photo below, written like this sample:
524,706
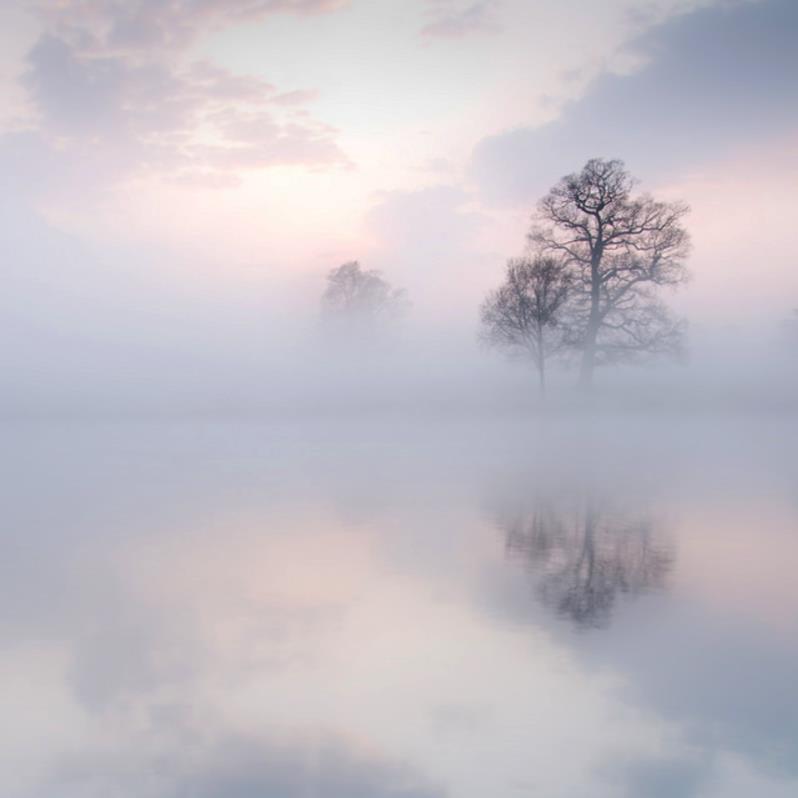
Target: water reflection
322,613
583,561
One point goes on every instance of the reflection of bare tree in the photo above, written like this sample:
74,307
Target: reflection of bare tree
584,560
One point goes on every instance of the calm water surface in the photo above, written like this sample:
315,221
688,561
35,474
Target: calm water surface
469,608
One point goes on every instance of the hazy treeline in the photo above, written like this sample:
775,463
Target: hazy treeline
585,291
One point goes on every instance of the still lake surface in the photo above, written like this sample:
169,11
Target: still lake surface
463,607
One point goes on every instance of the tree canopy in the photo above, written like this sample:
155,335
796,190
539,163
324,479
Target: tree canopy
358,298
622,248
523,315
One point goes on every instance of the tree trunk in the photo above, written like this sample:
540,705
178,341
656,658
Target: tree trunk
588,362
541,360
542,376
591,333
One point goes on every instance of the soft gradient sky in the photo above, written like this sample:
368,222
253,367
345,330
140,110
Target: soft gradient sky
181,165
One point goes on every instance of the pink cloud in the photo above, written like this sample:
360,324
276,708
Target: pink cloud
160,25
122,111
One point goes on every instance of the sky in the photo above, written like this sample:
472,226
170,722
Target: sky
183,173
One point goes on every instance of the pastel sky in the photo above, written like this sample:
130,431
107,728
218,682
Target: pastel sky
239,149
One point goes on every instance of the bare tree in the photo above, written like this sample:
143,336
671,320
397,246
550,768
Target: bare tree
622,248
361,300
522,316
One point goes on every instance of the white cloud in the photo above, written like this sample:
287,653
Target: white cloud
452,22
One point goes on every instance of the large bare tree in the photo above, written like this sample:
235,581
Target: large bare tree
622,248
522,316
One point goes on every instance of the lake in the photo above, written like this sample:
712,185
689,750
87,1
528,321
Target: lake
464,606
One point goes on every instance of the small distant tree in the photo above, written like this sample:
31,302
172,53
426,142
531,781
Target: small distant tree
523,316
360,300
622,248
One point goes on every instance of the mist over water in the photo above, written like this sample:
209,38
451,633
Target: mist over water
421,607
